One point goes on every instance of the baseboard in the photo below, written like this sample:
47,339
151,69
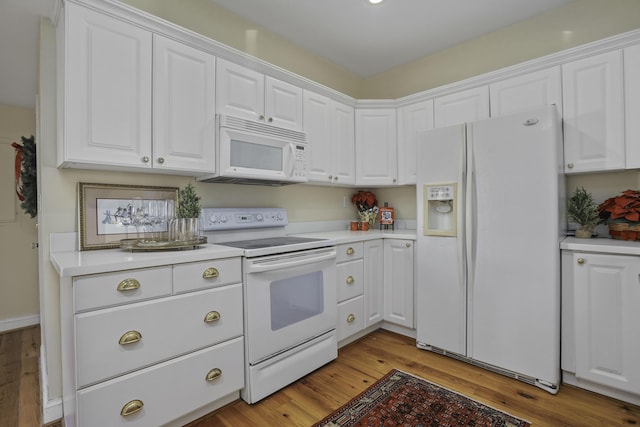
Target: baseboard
18,322
51,408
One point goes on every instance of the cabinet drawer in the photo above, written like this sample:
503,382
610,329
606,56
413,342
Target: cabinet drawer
168,327
350,281
122,287
167,390
350,317
206,274
349,252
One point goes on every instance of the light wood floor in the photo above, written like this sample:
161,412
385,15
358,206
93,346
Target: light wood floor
319,393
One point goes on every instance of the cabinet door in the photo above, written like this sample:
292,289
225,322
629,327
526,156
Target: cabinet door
593,116
240,91
376,146
373,282
460,107
107,90
607,296
632,106
527,92
344,144
411,120
398,282
317,125
183,107
283,104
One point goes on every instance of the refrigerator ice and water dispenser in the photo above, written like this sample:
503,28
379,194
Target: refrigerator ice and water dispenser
440,210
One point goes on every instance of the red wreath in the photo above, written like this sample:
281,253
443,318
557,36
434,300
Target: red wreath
18,169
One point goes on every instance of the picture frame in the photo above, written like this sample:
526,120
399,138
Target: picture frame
109,213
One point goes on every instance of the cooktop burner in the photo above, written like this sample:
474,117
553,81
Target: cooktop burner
270,242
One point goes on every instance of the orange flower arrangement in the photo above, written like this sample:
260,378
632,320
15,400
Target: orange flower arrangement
364,200
626,207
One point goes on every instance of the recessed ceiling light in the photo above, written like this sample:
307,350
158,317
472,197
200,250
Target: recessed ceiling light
375,1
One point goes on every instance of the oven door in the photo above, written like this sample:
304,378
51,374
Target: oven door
290,298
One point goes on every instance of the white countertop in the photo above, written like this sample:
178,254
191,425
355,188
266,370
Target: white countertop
77,263
346,236
602,245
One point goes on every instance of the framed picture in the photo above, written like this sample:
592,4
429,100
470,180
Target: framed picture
109,213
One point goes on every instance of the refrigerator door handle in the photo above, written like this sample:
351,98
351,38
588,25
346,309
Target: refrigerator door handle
461,219
469,213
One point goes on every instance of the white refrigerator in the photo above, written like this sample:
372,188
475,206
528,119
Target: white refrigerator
490,198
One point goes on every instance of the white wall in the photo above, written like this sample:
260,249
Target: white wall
18,260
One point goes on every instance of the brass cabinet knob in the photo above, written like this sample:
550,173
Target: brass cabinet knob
145,159
351,318
330,177
128,285
130,337
408,245
210,273
213,374
580,260
261,117
212,316
270,120
161,160
131,407
351,251
570,165
350,280
335,178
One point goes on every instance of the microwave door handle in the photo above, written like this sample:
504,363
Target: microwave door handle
288,263
292,160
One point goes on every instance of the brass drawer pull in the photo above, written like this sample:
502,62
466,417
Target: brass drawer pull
580,260
350,280
130,337
351,318
131,408
128,285
212,316
211,273
213,374
351,251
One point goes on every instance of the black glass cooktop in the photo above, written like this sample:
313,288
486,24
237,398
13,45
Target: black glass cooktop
270,242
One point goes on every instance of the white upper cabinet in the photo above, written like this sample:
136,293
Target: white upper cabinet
376,146
527,92
593,113
105,91
329,126
245,93
632,105
183,107
411,120
465,106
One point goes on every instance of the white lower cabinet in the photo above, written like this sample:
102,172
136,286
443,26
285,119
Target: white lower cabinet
373,281
146,356
601,297
398,282
152,396
350,289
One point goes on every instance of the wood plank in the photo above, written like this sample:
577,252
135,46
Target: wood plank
29,392
10,368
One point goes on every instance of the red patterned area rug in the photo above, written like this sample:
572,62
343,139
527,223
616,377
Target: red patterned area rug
401,399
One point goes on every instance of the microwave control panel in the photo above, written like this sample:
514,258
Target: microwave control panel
300,161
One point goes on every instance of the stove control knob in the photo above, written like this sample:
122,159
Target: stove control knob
279,216
259,217
213,218
223,219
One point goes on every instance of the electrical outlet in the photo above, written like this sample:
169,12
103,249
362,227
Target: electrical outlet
344,202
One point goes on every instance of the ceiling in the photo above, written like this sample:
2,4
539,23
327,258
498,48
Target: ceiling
366,39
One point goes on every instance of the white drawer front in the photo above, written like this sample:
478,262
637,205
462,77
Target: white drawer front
350,279
349,252
169,327
350,317
167,390
101,290
207,274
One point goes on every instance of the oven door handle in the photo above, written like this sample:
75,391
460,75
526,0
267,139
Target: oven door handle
288,262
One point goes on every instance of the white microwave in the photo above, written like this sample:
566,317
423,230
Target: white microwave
250,152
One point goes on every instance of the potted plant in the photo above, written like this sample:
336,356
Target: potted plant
186,225
622,214
582,209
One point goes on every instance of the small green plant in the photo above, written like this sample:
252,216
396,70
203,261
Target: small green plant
582,209
188,202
